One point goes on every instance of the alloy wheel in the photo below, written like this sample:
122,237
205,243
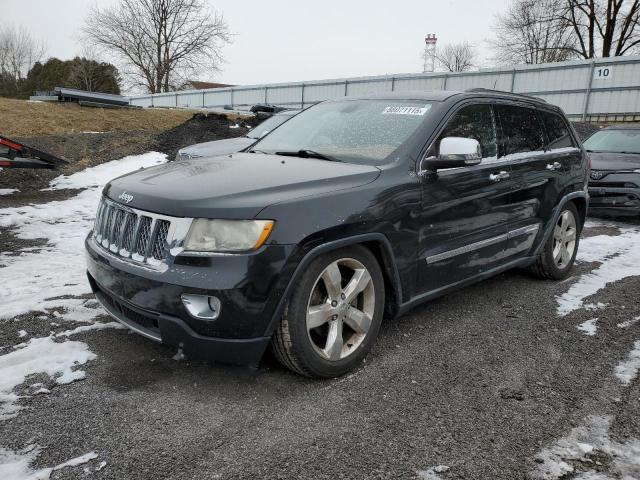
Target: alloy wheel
340,309
564,239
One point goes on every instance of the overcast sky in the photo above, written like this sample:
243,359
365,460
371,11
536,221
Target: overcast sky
289,40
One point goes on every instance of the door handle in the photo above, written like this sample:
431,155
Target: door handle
554,166
496,177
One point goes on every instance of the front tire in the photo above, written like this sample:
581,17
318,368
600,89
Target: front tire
559,254
333,316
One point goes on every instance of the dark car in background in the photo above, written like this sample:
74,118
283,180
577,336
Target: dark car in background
233,145
614,184
352,210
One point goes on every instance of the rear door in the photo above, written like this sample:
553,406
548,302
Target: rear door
521,143
465,211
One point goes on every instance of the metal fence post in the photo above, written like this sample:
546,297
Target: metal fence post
513,79
302,97
176,100
346,86
231,97
203,99
393,84
265,94
588,94
444,81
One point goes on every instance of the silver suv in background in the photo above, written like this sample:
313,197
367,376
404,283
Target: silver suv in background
233,145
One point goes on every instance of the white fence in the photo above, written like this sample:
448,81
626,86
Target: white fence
604,89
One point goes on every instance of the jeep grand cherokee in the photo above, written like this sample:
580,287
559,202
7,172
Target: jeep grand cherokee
353,210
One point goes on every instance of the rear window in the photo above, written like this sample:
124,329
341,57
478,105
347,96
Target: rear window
521,130
557,131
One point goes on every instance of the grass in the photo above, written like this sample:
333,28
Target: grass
20,118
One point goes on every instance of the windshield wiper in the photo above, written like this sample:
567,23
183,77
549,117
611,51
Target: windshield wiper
257,151
309,154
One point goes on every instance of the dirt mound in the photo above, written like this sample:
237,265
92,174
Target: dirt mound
585,130
201,128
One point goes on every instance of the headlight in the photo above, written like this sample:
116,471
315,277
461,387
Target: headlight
227,235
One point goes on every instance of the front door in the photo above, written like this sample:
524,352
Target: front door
465,211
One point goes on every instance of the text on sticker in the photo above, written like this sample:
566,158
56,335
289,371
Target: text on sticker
404,111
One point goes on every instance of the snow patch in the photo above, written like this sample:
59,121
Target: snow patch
619,258
22,333
39,355
560,459
88,328
99,175
8,191
16,465
57,269
627,370
590,327
629,323
432,473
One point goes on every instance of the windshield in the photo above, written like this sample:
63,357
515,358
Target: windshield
268,125
357,131
615,141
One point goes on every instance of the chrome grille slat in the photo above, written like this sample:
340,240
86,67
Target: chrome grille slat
132,234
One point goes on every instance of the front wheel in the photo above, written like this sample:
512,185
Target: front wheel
559,253
333,317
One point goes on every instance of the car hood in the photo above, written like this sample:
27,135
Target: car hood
614,161
218,147
233,186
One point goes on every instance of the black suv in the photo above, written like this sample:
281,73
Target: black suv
353,210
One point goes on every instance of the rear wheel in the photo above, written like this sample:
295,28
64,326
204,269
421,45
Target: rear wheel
559,253
333,317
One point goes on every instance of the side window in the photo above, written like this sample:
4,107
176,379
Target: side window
474,121
521,130
557,131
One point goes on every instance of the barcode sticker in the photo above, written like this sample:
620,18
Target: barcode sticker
405,110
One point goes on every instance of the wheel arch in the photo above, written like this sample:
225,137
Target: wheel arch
377,243
580,199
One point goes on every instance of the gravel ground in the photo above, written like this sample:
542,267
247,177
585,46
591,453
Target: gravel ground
480,381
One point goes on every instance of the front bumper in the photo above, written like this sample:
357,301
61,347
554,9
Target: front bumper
149,301
614,201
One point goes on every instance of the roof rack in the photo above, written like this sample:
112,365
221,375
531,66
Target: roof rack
501,92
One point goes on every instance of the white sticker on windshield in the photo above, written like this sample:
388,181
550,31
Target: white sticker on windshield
405,110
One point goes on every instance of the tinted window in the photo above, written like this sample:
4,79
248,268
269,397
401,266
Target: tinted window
557,131
521,130
474,121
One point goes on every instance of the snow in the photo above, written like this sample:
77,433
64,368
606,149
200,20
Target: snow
558,460
432,473
88,328
8,191
15,465
39,355
590,327
627,370
99,175
629,323
58,268
619,258
22,333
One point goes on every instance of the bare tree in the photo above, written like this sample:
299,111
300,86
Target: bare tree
604,28
533,31
457,57
159,41
18,52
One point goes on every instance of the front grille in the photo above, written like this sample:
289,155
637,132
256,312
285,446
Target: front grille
614,185
131,234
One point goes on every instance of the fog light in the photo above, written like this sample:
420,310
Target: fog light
202,306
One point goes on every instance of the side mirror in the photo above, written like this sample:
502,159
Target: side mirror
455,152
